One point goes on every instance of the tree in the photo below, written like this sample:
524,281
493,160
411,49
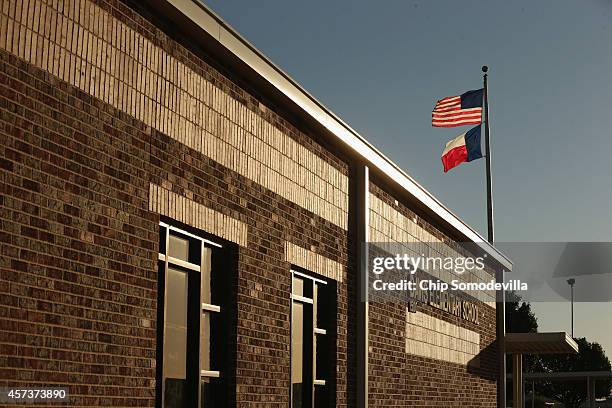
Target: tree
519,317
590,357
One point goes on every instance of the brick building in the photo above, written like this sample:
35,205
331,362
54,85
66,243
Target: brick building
181,224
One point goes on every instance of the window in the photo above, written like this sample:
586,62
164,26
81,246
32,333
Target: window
313,341
192,333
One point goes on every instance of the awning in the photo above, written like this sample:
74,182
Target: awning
540,343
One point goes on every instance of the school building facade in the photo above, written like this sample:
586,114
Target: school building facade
181,225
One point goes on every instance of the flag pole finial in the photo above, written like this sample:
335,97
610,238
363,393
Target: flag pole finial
500,310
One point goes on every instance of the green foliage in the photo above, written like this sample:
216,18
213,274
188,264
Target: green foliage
590,357
519,317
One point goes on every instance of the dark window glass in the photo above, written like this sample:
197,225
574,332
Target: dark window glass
211,391
308,284
209,344
321,396
175,395
322,356
325,313
195,251
162,240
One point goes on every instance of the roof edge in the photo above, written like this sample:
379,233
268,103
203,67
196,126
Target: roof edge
207,20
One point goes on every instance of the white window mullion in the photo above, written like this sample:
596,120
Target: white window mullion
302,275
184,264
180,231
211,308
184,250
301,299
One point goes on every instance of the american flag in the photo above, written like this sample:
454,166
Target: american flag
465,109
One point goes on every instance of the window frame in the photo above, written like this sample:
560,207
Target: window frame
317,332
193,381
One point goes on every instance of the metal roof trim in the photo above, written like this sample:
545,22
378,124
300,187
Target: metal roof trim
209,21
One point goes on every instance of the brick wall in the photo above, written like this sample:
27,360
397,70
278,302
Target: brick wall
429,358
106,125
77,244
101,136
127,63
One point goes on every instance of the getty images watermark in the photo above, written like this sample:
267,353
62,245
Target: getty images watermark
535,271
447,274
398,272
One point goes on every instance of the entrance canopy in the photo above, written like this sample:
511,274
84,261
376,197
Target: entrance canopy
518,344
540,343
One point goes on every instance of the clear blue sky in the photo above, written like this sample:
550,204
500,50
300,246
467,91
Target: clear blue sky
381,65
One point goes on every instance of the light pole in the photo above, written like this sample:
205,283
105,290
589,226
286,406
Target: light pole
571,282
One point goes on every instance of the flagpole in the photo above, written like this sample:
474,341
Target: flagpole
500,309
490,229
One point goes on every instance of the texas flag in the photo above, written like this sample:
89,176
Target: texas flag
463,148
